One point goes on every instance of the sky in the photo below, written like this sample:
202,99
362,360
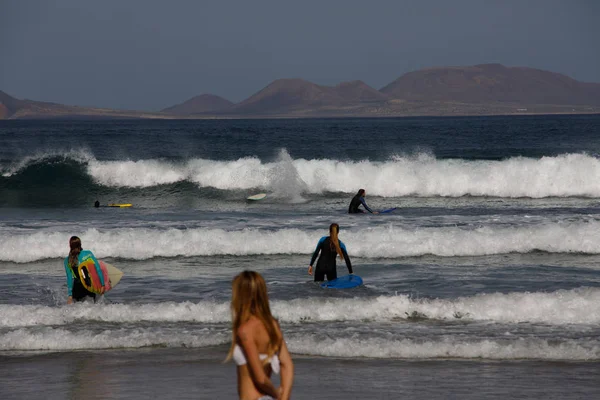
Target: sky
151,54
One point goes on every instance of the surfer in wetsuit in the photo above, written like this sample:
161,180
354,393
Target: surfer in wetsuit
75,289
329,247
356,201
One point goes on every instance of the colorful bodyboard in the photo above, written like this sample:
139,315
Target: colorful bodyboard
88,275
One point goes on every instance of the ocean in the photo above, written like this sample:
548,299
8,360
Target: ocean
483,283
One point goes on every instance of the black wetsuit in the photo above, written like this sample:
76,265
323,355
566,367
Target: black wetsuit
326,264
80,292
356,202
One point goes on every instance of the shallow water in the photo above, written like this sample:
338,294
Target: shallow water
199,373
485,282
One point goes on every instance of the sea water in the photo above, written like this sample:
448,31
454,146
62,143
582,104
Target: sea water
484,283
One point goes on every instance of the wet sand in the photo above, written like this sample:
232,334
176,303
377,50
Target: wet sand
181,373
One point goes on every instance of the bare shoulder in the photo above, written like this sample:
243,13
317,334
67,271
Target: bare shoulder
248,328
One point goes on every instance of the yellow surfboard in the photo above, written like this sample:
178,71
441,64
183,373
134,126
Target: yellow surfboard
120,205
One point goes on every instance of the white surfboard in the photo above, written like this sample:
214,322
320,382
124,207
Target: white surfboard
258,196
114,274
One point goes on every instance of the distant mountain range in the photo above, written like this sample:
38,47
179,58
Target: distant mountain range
493,83
297,96
203,104
12,108
487,89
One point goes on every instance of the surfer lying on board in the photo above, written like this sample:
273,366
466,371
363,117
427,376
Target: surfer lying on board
329,246
76,256
357,200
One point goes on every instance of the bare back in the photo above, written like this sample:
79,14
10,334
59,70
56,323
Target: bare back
253,338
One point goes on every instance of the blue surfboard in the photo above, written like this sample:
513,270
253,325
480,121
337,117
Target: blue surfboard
343,282
389,210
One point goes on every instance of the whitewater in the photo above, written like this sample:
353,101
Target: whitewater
388,241
561,307
422,174
485,280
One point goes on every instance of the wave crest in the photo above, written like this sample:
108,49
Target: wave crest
387,241
423,175
576,306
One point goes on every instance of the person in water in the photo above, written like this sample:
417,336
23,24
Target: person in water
257,346
329,247
75,289
357,200
96,204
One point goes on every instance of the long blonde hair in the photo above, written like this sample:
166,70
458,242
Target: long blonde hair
334,229
249,298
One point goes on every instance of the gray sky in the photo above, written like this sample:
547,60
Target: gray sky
150,54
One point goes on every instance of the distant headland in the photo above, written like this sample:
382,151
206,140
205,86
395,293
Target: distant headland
486,89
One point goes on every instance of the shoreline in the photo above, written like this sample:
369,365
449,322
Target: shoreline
92,117
201,374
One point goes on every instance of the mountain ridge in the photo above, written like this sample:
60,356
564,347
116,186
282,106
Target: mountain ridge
204,103
493,82
482,89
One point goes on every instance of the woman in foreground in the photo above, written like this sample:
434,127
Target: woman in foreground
257,347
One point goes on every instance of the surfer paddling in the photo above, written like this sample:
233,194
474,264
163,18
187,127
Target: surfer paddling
357,201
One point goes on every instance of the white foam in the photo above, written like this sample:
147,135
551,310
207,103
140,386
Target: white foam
452,347
34,315
59,339
422,175
143,173
563,307
509,348
578,306
244,173
383,241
